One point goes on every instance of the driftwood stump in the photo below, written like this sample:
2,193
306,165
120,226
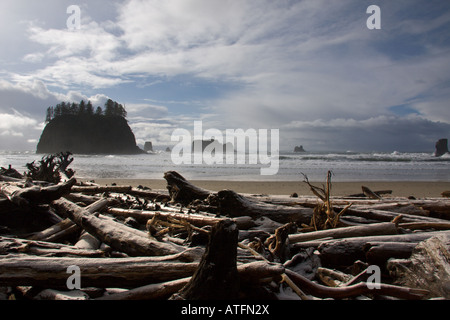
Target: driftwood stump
181,190
216,277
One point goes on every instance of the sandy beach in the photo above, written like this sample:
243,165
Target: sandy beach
418,189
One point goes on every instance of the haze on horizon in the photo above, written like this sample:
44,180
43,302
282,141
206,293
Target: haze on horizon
310,68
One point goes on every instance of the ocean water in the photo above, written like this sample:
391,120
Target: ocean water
347,166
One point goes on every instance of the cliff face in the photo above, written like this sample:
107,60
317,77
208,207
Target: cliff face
88,135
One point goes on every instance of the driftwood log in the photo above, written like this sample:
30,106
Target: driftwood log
181,190
26,270
214,245
42,248
347,232
336,253
233,205
25,197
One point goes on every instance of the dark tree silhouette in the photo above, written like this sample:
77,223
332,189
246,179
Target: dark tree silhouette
112,109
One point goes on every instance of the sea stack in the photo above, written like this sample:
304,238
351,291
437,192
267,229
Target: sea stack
299,149
88,135
148,146
441,147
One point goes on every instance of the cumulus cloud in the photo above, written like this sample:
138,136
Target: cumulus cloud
15,127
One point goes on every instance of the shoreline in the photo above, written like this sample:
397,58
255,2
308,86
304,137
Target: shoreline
418,189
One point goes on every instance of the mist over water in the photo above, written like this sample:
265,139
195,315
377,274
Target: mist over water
348,166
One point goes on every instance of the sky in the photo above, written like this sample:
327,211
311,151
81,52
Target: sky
311,68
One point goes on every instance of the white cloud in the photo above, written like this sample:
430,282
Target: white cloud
15,127
155,111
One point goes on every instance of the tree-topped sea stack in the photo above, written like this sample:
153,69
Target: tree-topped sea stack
79,129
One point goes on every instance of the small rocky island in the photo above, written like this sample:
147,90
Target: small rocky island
81,130
441,147
298,149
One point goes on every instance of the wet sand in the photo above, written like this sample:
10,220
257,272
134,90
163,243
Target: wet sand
418,189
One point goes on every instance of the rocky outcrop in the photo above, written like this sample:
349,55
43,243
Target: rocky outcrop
148,146
94,134
441,147
215,144
299,149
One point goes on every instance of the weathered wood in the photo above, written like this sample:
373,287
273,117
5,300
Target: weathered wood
82,198
217,276
425,225
51,294
369,193
343,252
142,215
181,190
25,198
248,273
378,193
234,205
378,253
45,234
43,248
354,290
52,168
149,194
278,244
253,272
87,242
155,291
427,268
118,236
66,226
385,216
101,189
47,272
385,228
5,178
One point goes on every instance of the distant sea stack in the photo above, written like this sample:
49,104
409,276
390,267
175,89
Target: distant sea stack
78,130
299,149
148,146
441,147
216,145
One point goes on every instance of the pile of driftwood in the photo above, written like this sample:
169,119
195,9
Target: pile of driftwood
70,240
